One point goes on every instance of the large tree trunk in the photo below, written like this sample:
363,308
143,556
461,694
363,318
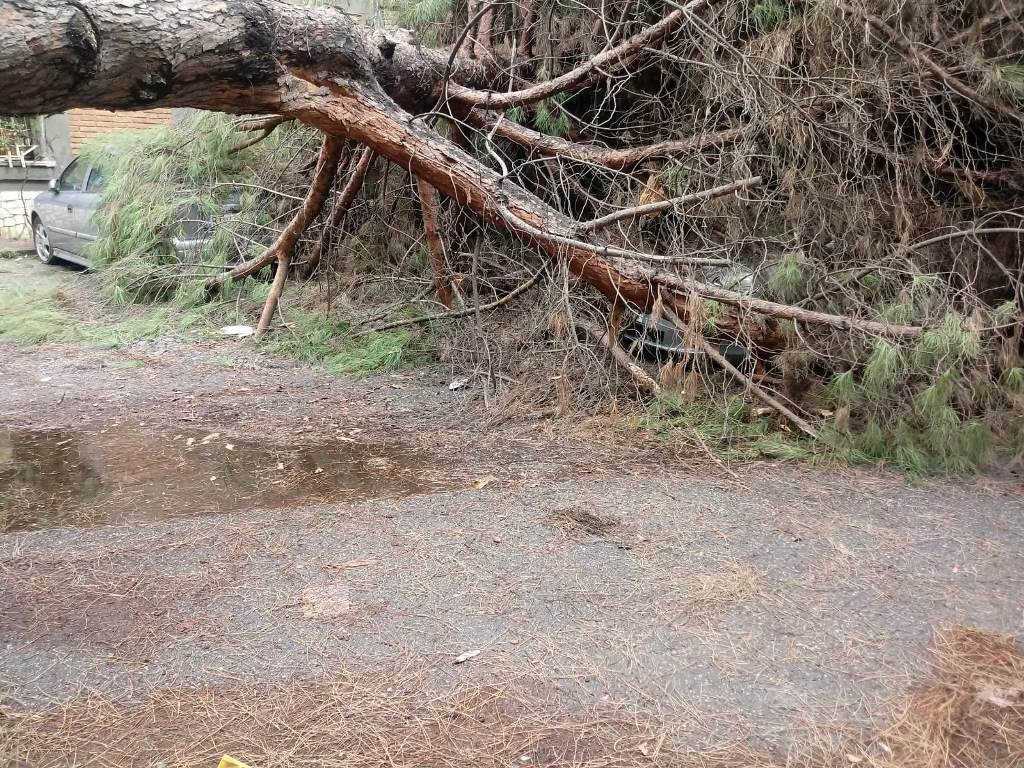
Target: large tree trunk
229,55
316,65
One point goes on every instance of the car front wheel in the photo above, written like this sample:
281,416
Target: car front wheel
43,249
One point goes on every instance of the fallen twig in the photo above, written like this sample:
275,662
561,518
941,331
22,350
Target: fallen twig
462,312
621,357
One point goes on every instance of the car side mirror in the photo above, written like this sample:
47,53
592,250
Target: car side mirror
53,186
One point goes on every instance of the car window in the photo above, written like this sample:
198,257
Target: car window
74,177
97,180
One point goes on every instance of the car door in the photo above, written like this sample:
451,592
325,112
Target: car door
59,218
84,214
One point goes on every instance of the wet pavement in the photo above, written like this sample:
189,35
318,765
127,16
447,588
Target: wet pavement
117,474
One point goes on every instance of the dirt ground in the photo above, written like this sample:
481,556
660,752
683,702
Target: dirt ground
372,575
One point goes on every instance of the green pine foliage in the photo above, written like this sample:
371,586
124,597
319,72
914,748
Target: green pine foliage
767,15
842,389
1013,380
429,18
950,343
884,369
549,118
788,281
157,181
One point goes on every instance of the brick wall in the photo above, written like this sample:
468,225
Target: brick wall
86,124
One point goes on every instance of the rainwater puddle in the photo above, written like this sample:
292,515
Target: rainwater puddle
54,478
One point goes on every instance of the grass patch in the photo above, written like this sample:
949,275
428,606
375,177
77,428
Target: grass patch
730,427
33,315
711,422
330,344
767,15
221,361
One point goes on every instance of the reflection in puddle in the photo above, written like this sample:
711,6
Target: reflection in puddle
52,478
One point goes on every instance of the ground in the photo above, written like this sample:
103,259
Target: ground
208,551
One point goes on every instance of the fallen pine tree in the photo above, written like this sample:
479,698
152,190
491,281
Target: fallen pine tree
861,166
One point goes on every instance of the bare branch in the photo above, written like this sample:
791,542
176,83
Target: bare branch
673,202
965,233
608,61
266,127
606,339
759,392
616,159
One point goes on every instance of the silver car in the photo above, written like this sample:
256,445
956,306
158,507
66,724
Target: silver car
62,217
62,225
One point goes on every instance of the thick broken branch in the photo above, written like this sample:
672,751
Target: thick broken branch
283,248
341,206
435,245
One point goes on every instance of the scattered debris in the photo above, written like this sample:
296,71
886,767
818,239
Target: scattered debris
576,519
238,331
484,481
359,562
462,658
